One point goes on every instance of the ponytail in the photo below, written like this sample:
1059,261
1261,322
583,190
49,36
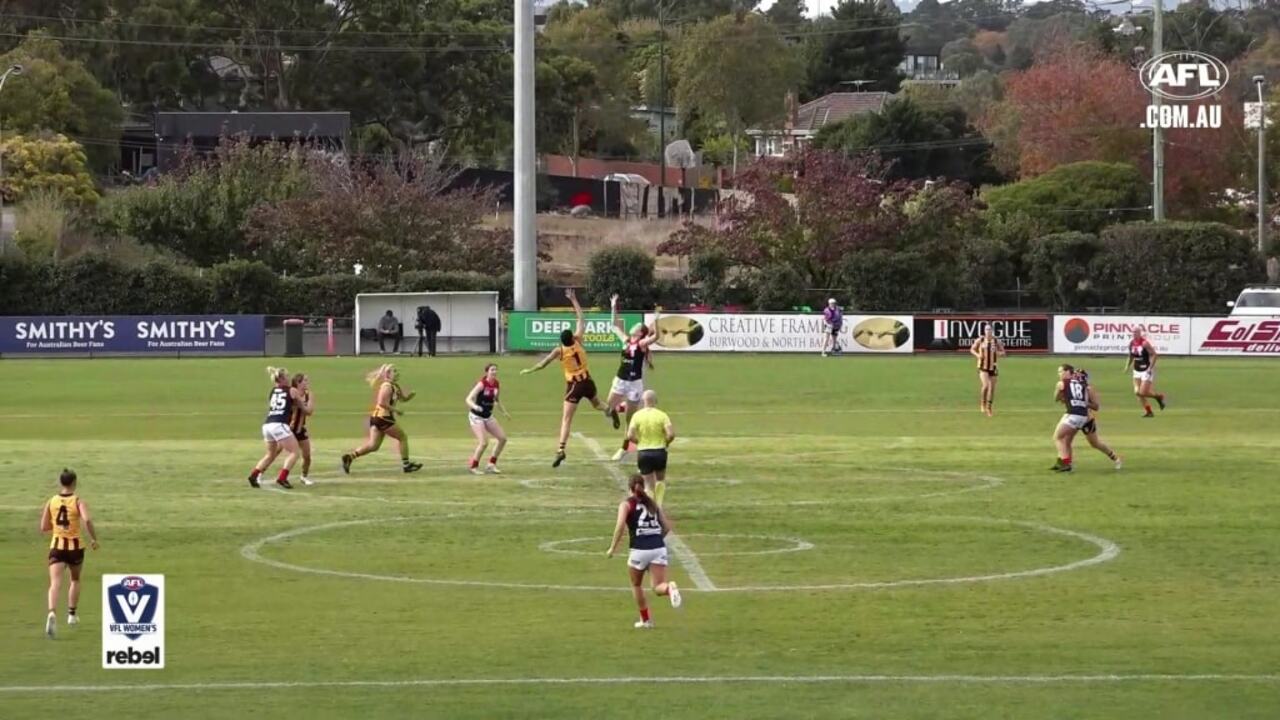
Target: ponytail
637,489
277,374
376,377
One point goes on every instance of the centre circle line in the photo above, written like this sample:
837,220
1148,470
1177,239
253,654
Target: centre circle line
1107,551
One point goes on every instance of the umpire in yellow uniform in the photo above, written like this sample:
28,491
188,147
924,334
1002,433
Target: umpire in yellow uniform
652,432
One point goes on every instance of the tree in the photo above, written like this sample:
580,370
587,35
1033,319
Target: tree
682,11
840,206
1076,104
919,142
1082,197
49,164
395,215
788,15
1198,25
860,41
736,71
58,94
199,212
963,58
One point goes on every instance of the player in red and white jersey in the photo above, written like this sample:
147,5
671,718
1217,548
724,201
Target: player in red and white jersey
1142,358
481,401
628,384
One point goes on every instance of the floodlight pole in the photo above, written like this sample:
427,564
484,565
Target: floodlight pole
1157,134
524,222
1259,80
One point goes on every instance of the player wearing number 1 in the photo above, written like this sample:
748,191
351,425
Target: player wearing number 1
62,516
577,376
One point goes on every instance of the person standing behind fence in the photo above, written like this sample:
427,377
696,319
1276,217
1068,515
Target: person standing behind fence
833,322
389,327
428,327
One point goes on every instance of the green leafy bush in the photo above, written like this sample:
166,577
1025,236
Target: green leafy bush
623,269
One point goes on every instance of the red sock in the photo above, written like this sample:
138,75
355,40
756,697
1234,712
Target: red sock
284,475
255,473
1066,461
644,614
1146,407
474,463
493,459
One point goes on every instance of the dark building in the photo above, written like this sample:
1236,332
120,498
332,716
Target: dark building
159,146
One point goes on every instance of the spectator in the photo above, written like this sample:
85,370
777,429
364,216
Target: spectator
428,327
833,320
389,327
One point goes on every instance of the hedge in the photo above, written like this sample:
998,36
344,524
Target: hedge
1062,266
96,284
1192,267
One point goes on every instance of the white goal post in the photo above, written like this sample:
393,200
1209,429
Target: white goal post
469,321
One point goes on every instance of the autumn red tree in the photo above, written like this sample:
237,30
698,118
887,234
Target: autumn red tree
1073,104
811,212
1077,103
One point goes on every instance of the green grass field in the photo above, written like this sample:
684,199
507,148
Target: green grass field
877,548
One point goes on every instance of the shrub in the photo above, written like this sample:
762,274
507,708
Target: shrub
778,287
710,268
623,269
1060,265
882,280
92,283
41,222
163,287
27,287
1185,266
1082,197
241,286
46,164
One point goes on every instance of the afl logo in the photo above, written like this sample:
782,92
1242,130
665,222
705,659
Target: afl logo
1076,330
1184,75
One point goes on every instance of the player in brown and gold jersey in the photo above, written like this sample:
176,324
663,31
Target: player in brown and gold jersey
987,350
61,516
382,418
577,376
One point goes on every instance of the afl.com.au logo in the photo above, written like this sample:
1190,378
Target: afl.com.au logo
132,621
1183,76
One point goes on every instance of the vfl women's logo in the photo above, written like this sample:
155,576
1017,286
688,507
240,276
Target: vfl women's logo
133,606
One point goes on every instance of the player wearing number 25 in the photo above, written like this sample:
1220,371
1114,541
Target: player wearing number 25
577,377
61,516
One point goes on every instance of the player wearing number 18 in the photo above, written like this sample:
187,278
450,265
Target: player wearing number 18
62,516
577,376
641,518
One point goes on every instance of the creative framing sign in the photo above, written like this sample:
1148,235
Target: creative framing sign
700,332
161,334
957,333
1110,334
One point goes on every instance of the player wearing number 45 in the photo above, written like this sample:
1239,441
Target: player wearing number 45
641,518
577,376
277,432
61,516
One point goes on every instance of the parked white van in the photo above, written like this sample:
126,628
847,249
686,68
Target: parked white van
1258,300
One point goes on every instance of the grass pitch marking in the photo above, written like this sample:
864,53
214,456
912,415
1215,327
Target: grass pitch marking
679,548
668,680
1108,551
797,545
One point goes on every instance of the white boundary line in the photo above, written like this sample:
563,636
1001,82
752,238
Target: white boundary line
668,680
679,548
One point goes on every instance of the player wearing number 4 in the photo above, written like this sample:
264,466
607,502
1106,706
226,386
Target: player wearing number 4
577,377
61,516
641,518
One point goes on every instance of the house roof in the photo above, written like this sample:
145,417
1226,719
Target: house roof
835,107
